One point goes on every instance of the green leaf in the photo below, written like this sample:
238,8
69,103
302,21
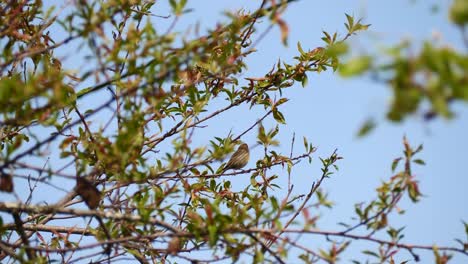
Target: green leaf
212,185
299,48
459,12
419,161
262,137
274,203
350,23
327,38
281,101
366,128
360,26
355,66
173,4
370,253
336,49
213,234
418,149
395,164
305,80
273,132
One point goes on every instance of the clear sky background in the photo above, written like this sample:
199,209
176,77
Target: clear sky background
330,110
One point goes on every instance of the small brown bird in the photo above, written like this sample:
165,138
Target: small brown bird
239,159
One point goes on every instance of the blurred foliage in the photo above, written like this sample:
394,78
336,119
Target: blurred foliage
459,12
424,80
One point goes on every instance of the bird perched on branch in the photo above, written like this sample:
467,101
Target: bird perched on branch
239,159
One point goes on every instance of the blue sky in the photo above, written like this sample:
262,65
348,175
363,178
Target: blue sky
330,110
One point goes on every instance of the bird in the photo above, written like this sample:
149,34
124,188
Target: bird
239,159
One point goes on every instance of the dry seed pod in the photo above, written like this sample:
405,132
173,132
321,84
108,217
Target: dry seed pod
6,183
88,192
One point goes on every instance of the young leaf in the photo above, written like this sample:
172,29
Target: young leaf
278,116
